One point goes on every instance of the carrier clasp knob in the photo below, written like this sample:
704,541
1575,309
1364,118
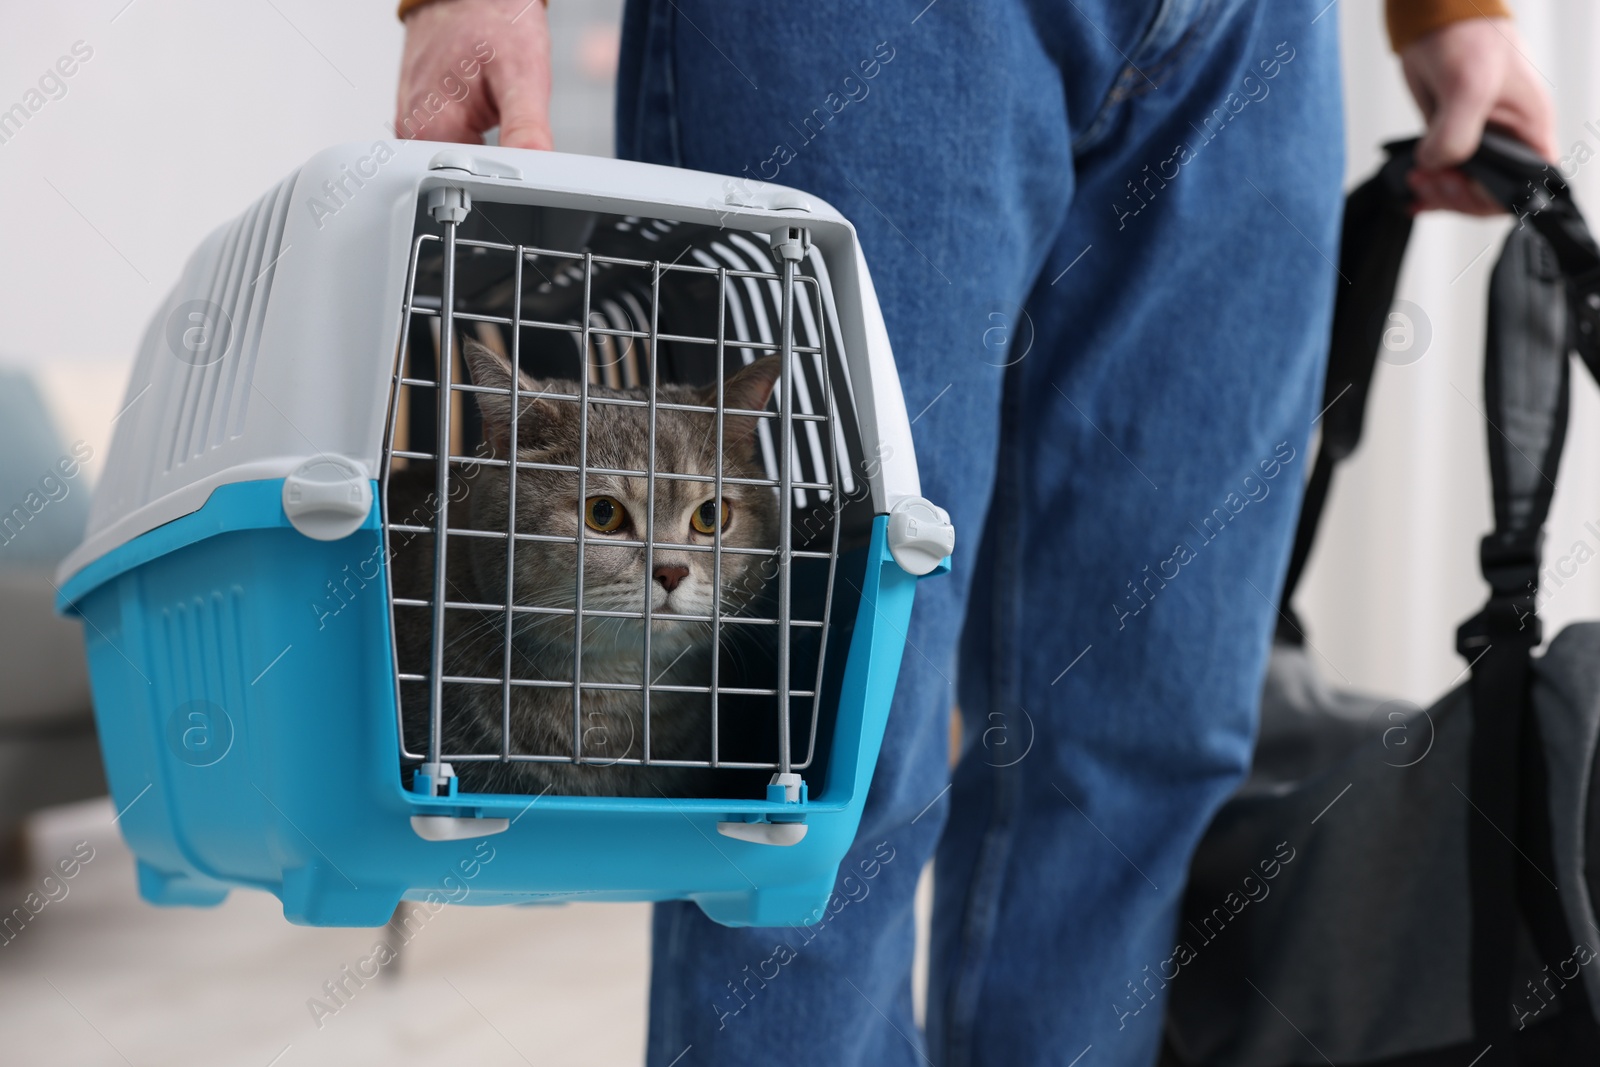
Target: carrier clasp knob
327,498
920,535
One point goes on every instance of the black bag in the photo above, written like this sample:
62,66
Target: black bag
1414,888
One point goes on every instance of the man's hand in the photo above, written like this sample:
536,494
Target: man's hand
512,90
1463,76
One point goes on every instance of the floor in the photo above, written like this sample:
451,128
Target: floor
97,976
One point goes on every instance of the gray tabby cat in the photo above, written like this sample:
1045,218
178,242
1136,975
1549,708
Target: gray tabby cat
544,575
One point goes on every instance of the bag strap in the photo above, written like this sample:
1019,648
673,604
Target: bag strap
1525,398
1372,244
1376,230
1544,303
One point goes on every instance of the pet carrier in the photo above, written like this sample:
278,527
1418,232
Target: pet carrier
357,595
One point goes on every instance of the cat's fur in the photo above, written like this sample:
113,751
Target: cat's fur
611,725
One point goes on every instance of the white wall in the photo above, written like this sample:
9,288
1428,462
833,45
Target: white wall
187,110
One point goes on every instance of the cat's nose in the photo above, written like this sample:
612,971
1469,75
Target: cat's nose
669,575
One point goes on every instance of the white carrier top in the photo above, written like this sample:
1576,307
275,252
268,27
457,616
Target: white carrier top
278,343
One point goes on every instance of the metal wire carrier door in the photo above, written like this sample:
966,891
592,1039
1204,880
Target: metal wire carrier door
597,330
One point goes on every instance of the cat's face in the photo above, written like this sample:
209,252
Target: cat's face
614,511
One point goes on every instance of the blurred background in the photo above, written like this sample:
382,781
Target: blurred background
179,114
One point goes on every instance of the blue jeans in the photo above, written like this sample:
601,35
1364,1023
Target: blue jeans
1103,237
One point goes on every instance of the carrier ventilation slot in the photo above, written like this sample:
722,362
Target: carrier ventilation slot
211,404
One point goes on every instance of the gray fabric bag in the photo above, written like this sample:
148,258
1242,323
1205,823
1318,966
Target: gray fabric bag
1412,887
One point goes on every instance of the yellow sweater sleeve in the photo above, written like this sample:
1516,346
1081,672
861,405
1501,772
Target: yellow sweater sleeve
1411,19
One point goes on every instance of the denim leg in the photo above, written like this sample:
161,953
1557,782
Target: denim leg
955,227
1154,445
954,139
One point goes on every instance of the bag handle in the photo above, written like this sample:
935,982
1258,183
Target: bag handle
1377,228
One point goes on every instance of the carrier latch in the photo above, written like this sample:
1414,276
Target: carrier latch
764,833
327,498
451,828
786,787
921,536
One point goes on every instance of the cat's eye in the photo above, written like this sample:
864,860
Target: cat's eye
604,514
705,517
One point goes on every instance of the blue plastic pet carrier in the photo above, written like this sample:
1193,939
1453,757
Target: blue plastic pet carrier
248,583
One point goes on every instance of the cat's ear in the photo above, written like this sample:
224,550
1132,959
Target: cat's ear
749,389
493,371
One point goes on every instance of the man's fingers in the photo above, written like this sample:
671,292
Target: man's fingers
525,134
450,124
472,65
1464,76
1450,190
1528,115
525,115
1456,127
